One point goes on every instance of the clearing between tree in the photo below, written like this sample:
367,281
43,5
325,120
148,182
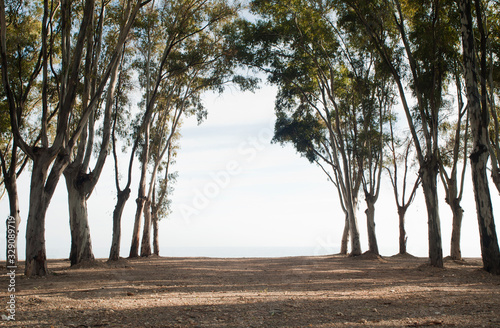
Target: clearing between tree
324,291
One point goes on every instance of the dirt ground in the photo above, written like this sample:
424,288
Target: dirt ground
325,291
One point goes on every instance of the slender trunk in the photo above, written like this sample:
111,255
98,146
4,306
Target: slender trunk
458,213
156,241
134,247
81,244
146,234
13,221
402,231
345,236
122,197
429,185
478,114
370,222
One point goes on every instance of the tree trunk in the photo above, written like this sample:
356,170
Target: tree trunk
458,213
13,221
345,236
429,185
136,234
114,253
479,117
146,234
402,231
156,241
354,232
81,244
36,257
370,222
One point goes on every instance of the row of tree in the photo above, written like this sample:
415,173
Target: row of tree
68,70
341,67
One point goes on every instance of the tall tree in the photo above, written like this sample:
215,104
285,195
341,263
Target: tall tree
62,36
326,102
22,58
187,27
479,118
81,179
428,41
451,154
400,151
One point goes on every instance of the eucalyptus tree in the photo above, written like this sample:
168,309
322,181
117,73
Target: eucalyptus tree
180,60
452,154
22,58
63,30
162,190
477,102
421,37
400,155
81,179
326,104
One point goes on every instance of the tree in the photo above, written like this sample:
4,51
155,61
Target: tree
21,43
80,178
426,33
59,92
326,105
400,151
479,117
189,43
454,151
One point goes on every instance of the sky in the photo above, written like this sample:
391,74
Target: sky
238,195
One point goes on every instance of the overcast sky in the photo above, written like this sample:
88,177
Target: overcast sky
239,195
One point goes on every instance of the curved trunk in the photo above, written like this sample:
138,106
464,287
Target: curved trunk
122,197
345,236
81,244
402,231
146,234
13,221
370,222
429,185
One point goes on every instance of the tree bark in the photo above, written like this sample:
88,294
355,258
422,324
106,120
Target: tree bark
345,236
36,257
402,231
136,234
458,213
354,231
81,244
156,241
122,197
146,234
429,185
479,117
13,221
370,222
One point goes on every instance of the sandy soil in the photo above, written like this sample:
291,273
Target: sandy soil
326,291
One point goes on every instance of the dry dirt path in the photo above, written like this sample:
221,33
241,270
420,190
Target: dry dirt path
326,291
